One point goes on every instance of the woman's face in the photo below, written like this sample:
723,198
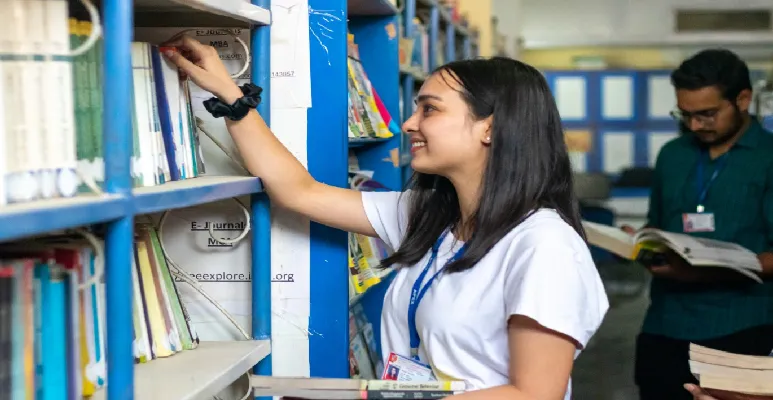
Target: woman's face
445,139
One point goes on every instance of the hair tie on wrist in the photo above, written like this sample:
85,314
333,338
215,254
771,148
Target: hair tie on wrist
240,108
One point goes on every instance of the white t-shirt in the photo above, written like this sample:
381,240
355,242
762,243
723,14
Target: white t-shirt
541,269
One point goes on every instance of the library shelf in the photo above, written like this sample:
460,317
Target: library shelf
241,10
384,275
192,192
371,8
359,142
196,374
414,71
42,216
405,159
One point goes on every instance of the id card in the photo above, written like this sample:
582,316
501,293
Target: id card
698,222
399,368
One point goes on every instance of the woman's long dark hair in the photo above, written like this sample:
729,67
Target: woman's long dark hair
528,166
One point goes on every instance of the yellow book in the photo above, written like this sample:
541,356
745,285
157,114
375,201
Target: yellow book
354,275
88,386
160,338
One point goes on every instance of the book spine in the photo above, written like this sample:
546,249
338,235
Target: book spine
164,112
406,394
53,335
414,386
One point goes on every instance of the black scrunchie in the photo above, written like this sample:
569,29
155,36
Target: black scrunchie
240,108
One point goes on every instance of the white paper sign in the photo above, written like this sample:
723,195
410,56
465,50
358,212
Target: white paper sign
290,62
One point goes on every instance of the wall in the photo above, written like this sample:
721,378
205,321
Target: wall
627,33
639,58
479,15
510,14
635,57
565,23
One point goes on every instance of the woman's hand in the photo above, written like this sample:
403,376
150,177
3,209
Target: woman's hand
202,64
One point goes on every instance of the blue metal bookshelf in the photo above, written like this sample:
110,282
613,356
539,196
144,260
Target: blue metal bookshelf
374,24
200,373
121,203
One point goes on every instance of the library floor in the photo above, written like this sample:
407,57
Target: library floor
604,371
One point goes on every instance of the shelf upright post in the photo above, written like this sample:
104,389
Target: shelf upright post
327,147
450,42
409,15
117,145
434,26
467,47
260,207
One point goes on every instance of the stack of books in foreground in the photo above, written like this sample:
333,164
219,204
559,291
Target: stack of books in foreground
352,389
721,371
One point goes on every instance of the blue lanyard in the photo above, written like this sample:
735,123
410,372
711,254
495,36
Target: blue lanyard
703,187
418,292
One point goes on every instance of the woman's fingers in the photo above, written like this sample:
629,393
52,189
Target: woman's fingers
184,64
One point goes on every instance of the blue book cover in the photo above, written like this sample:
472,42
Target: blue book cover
53,332
18,386
164,113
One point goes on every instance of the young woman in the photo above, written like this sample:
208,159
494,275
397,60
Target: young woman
491,206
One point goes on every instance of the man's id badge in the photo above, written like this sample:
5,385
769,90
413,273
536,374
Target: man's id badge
399,368
698,222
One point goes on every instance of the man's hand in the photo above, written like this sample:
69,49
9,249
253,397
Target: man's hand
675,268
628,229
699,393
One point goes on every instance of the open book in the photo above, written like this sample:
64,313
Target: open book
699,252
720,370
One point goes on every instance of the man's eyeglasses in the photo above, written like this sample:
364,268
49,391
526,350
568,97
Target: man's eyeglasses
704,117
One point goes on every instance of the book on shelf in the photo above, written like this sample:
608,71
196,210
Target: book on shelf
735,373
364,359
332,388
37,124
365,254
228,44
420,54
367,115
60,152
54,317
648,246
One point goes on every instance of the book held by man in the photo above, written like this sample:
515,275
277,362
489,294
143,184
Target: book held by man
648,246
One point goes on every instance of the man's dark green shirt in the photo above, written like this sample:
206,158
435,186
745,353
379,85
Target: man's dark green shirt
741,198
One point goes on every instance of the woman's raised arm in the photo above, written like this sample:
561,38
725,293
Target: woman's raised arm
287,182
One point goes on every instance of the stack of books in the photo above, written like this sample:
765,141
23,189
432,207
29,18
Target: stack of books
365,255
368,117
720,371
364,360
53,316
59,152
354,389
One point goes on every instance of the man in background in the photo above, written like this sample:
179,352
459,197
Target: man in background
716,181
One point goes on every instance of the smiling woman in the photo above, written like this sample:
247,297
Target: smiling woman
496,286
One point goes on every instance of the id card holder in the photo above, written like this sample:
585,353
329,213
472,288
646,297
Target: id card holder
698,222
406,369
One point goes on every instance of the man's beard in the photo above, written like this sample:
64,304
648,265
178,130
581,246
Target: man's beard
732,132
